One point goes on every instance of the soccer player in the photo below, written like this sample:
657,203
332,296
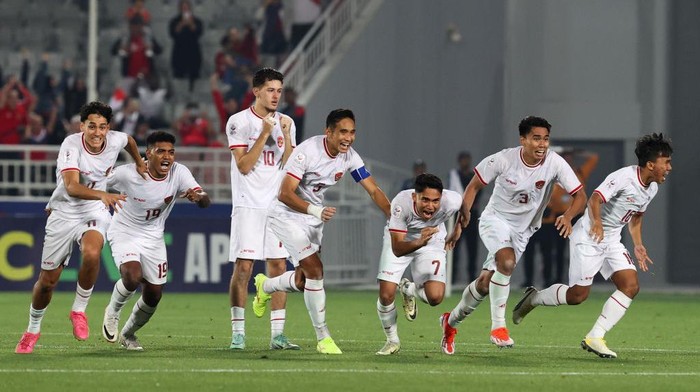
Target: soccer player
416,236
136,234
595,242
298,215
524,177
261,140
79,211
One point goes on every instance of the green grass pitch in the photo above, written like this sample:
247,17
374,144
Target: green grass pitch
186,349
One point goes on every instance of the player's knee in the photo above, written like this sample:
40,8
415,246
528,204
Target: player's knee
435,300
46,285
574,297
91,255
131,279
630,290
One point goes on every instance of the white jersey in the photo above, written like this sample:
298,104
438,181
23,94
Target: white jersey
259,187
405,219
149,201
522,191
624,195
93,167
317,170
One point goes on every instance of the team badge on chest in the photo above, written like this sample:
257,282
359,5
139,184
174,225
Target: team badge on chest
338,176
168,199
539,184
280,141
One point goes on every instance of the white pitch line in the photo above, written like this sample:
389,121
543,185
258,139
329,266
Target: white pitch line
359,371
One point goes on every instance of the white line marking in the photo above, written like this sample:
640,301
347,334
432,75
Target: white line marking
380,371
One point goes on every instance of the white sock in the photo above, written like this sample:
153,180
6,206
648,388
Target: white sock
553,295
613,310
470,300
277,318
82,296
387,316
499,289
35,316
120,296
284,282
238,320
414,291
140,315
315,299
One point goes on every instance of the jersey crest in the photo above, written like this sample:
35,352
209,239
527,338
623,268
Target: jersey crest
280,141
539,184
338,176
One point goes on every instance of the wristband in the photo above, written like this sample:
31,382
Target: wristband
316,211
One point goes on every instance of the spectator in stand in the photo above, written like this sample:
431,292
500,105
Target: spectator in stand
153,98
37,133
193,127
73,125
16,101
274,43
419,167
305,13
137,51
138,8
248,49
74,90
185,29
295,111
226,106
45,87
129,118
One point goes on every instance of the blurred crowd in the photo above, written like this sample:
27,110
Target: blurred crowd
37,107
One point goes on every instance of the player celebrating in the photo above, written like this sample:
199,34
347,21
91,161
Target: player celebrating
523,177
298,215
136,234
79,211
260,140
417,231
595,243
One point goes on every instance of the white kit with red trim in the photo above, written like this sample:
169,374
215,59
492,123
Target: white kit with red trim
149,201
624,195
259,187
521,191
93,167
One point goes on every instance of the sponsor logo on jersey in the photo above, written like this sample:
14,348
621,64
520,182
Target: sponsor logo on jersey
539,184
280,141
168,199
631,200
48,263
511,182
139,199
338,176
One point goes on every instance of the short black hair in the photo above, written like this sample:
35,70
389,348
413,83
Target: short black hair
336,115
96,107
530,122
427,180
265,74
159,136
650,147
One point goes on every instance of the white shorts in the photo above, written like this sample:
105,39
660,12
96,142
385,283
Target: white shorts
149,252
426,264
496,234
301,234
586,258
252,238
62,231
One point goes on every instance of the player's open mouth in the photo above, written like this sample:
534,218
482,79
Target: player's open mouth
165,165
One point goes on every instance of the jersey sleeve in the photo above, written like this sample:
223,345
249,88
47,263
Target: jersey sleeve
298,163
397,221
610,187
185,179
452,201
293,134
120,138
566,177
490,167
236,133
357,168
69,156
117,178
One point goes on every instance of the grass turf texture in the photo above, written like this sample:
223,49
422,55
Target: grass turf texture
186,348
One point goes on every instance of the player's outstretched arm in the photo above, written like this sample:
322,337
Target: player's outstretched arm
640,252
475,185
133,151
71,180
197,196
596,232
401,247
563,222
289,197
377,194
